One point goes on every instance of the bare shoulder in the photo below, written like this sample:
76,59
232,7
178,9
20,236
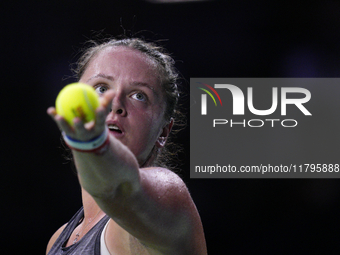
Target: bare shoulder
160,215
54,237
164,178
173,195
165,186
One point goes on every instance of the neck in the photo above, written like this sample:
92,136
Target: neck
92,214
150,159
91,208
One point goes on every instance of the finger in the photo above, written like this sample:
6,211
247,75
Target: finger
86,131
104,109
62,124
52,112
100,116
80,129
106,100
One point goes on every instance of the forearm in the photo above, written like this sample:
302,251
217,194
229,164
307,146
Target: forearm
101,174
151,204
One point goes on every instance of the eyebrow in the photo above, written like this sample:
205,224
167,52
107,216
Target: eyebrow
101,75
137,83
143,84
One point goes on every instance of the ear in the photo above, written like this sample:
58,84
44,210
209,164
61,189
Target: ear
161,140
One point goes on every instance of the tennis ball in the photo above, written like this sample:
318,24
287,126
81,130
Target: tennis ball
77,100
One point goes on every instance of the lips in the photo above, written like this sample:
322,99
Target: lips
115,129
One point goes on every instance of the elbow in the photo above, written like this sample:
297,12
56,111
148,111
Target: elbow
114,191
113,182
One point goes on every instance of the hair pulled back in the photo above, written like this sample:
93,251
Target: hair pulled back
169,82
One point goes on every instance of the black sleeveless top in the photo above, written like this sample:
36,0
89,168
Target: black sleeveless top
89,244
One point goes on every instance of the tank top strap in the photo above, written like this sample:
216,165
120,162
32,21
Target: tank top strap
89,244
66,233
72,224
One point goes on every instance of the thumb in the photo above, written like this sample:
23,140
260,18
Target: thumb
106,100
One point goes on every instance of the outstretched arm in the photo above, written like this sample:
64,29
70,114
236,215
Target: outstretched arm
152,204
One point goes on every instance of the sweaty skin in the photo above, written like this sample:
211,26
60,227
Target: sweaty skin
150,208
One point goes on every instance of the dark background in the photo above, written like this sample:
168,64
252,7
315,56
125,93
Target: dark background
39,41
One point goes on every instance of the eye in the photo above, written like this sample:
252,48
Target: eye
139,96
101,89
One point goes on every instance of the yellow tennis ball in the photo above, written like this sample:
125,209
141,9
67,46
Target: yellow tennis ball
77,100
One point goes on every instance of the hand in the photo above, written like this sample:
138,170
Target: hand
85,131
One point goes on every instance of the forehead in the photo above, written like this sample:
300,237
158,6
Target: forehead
124,62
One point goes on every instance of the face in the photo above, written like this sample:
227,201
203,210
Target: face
137,116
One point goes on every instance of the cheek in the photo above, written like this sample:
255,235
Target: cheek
147,119
148,126
149,114
142,141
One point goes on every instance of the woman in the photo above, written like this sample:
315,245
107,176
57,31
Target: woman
129,205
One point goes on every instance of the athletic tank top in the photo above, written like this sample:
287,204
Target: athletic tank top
89,244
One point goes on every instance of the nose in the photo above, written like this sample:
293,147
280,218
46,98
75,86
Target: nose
118,111
117,106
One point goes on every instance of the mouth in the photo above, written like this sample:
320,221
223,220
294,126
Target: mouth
114,129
